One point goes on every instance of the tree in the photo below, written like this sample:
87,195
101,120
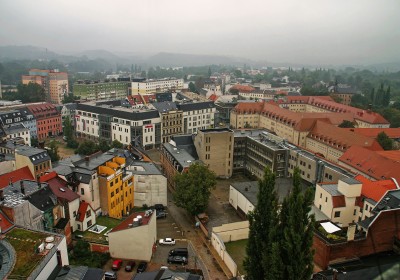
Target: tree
34,142
68,130
87,147
104,145
298,232
69,98
53,152
263,255
193,188
385,142
209,72
346,124
117,144
192,87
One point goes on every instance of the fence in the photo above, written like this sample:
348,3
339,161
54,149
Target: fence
227,233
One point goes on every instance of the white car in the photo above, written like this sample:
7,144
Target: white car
167,241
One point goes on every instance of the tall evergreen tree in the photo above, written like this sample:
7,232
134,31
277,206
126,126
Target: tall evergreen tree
298,229
386,97
263,250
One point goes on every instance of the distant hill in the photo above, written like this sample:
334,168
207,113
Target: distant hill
26,52
175,59
101,54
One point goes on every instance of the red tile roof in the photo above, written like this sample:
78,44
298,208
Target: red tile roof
5,223
373,132
340,139
125,224
20,174
83,207
338,201
59,186
243,88
213,97
326,103
393,155
375,189
371,163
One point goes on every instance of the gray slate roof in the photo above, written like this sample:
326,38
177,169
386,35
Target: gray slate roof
332,189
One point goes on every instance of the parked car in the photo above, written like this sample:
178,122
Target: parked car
161,215
116,264
110,275
130,265
159,207
183,252
141,267
177,259
167,241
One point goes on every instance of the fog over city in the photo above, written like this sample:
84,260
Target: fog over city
310,31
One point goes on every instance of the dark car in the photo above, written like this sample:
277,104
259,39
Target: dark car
130,265
161,215
177,259
142,267
159,207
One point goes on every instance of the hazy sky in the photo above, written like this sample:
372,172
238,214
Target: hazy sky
298,31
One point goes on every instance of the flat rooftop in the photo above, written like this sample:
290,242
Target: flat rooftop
129,222
180,155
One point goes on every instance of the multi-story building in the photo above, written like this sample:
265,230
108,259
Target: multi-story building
351,200
171,119
54,83
38,160
16,132
134,238
143,86
94,90
129,126
215,149
332,142
48,119
197,115
21,115
175,158
116,188
150,186
67,111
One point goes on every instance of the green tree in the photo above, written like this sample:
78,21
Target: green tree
104,146
34,142
68,130
263,255
87,147
69,98
192,87
346,124
298,232
117,144
53,152
385,142
193,188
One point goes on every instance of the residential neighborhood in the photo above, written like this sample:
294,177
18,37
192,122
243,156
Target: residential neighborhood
127,164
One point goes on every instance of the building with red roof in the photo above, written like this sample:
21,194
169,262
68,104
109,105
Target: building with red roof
370,164
65,196
392,133
363,118
48,119
332,141
351,200
392,155
85,217
243,88
17,175
134,238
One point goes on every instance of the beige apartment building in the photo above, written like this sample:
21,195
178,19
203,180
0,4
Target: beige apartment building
171,119
215,149
54,83
150,86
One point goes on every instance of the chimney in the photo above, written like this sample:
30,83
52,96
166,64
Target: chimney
87,158
22,186
1,195
351,230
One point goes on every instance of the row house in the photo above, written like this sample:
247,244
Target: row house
197,115
37,160
116,188
171,119
16,132
141,127
19,116
48,119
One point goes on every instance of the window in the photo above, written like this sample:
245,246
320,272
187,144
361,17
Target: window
79,227
112,194
89,223
320,207
88,213
82,191
320,195
366,207
74,214
326,199
355,212
337,214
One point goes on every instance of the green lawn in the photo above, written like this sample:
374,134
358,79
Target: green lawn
25,246
103,221
237,250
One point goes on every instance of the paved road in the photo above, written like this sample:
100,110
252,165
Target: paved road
206,261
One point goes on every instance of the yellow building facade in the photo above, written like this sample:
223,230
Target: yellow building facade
116,188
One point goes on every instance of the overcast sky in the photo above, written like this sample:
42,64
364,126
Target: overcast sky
297,31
